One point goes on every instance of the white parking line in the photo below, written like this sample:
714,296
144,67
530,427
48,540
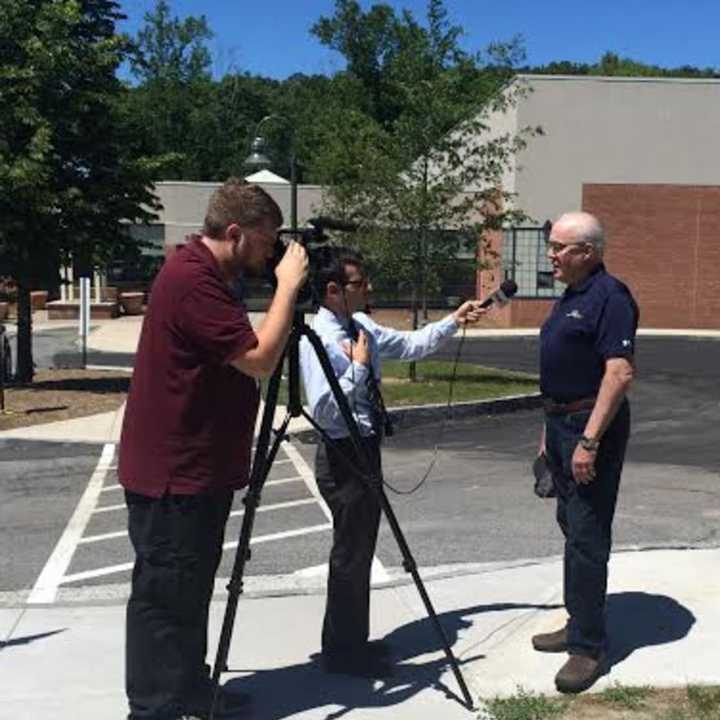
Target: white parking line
279,481
276,506
109,488
281,535
46,586
104,536
112,569
234,513
379,574
283,481
109,508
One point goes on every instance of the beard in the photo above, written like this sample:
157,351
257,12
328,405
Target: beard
257,269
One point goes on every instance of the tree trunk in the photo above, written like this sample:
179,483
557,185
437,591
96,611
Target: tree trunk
25,365
424,295
412,370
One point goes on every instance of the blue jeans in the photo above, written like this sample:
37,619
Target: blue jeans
585,514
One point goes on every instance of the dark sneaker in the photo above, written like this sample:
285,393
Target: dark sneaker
378,649
228,704
553,642
364,665
579,673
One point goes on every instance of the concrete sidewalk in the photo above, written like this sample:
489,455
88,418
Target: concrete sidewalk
66,661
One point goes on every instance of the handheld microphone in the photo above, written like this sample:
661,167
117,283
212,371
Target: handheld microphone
327,223
502,295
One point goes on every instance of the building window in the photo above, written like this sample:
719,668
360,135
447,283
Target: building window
524,259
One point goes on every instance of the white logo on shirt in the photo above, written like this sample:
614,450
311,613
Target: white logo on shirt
626,343
576,314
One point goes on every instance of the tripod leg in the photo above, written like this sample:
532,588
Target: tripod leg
375,483
260,470
410,566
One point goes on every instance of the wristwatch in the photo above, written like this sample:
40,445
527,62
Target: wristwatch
589,444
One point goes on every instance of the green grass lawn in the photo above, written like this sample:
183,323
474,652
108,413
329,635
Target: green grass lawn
619,702
472,382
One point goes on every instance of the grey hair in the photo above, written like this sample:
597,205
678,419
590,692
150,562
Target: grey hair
587,229
592,232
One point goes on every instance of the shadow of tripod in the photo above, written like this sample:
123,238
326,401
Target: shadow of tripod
265,456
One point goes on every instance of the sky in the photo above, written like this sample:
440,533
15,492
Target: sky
272,37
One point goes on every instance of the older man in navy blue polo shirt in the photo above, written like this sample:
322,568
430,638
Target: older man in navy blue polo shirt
586,367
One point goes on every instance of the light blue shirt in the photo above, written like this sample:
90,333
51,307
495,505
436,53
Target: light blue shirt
352,376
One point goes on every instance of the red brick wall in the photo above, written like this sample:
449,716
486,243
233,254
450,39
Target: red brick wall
526,313
663,241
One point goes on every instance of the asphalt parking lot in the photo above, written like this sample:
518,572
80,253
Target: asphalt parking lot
476,506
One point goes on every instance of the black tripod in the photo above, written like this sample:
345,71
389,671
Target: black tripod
264,458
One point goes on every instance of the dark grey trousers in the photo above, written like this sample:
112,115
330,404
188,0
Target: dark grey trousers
356,518
178,545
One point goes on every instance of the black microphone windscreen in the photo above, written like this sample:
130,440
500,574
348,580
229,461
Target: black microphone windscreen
327,223
502,295
509,287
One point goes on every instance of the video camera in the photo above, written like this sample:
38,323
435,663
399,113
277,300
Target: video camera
312,238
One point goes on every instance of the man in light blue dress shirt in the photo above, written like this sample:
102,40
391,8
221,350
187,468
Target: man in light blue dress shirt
355,345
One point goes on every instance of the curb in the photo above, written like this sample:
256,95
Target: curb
424,414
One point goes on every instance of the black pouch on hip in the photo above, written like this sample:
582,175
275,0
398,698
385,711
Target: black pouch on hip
544,486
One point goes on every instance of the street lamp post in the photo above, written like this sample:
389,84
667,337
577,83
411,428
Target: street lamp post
259,160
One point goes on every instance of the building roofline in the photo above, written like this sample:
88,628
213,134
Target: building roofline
217,183
618,79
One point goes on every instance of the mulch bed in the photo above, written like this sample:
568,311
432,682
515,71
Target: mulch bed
62,395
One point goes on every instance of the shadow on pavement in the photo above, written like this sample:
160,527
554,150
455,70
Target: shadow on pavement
27,639
94,357
637,619
283,692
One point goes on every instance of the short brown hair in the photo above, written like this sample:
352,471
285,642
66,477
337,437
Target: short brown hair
236,201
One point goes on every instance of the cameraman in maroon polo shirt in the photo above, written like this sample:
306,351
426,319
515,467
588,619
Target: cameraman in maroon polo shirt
187,437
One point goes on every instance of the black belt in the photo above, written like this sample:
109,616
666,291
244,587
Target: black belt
553,407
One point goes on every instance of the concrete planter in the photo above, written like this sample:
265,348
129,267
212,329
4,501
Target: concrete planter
132,303
59,310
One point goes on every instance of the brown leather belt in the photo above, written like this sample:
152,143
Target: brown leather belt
557,408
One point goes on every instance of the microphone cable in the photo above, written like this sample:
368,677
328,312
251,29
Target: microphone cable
448,415
448,409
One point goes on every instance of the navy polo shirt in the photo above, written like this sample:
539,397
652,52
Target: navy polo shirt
590,323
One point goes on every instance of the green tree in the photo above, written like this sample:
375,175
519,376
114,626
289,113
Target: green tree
612,64
68,170
202,126
429,183
171,50
175,98
369,41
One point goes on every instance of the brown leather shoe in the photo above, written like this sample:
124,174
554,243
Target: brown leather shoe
553,642
579,673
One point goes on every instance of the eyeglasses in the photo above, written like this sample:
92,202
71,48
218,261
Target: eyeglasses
557,247
360,282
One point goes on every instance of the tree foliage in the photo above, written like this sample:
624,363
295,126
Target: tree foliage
68,167
425,183
612,64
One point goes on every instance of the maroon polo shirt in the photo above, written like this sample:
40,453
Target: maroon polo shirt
190,416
